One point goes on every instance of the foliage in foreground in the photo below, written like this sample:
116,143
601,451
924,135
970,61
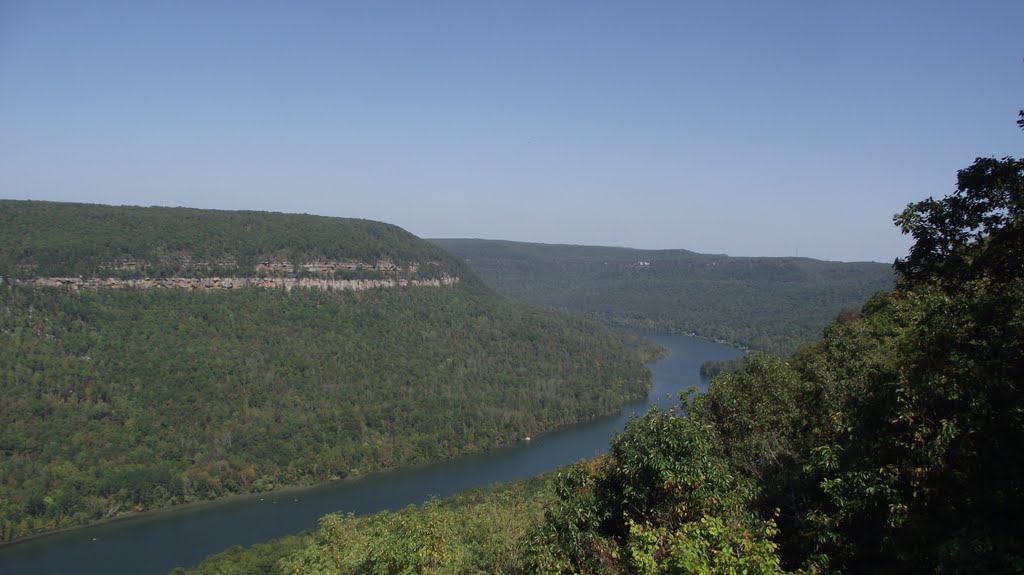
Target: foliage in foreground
660,502
259,559
479,531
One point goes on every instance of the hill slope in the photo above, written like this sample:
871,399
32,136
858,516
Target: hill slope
770,304
275,359
61,239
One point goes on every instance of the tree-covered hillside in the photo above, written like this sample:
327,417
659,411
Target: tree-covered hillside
768,304
126,399
62,239
480,531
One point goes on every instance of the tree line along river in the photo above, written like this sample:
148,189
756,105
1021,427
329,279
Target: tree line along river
158,542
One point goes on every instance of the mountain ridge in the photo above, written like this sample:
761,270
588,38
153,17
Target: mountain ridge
767,304
512,243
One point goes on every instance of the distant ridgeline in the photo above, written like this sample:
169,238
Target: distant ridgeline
768,304
155,356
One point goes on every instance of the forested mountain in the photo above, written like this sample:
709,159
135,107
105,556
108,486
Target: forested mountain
891,445
41,239
767,304
125,391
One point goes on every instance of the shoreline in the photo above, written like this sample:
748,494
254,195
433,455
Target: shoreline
668,330
166,510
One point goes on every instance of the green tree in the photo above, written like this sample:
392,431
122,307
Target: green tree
919,459
978,231
661,501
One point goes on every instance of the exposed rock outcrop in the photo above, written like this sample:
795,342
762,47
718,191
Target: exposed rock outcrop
229,283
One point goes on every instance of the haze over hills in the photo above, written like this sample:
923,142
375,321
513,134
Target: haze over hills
768,304
155,356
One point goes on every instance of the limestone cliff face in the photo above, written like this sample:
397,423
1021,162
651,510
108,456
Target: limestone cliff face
230,283
272,274
330,267
269,267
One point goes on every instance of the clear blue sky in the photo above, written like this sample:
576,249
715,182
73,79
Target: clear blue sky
746,128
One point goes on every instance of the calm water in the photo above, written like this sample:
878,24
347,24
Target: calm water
182,538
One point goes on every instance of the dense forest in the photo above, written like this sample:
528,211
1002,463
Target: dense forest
64,239
483,530
891,445
118,400
766,304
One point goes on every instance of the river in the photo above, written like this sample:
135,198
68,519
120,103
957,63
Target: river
159,542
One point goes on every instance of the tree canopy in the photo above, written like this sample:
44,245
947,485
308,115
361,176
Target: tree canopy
975,232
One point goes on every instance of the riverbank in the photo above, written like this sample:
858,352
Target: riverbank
158,541
286,491
147,514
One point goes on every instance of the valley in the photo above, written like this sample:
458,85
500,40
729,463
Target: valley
772,305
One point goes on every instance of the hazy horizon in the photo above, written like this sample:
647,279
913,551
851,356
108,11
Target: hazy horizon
743,129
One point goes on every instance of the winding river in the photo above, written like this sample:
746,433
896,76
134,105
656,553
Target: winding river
161,541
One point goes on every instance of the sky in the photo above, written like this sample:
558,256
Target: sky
744,128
